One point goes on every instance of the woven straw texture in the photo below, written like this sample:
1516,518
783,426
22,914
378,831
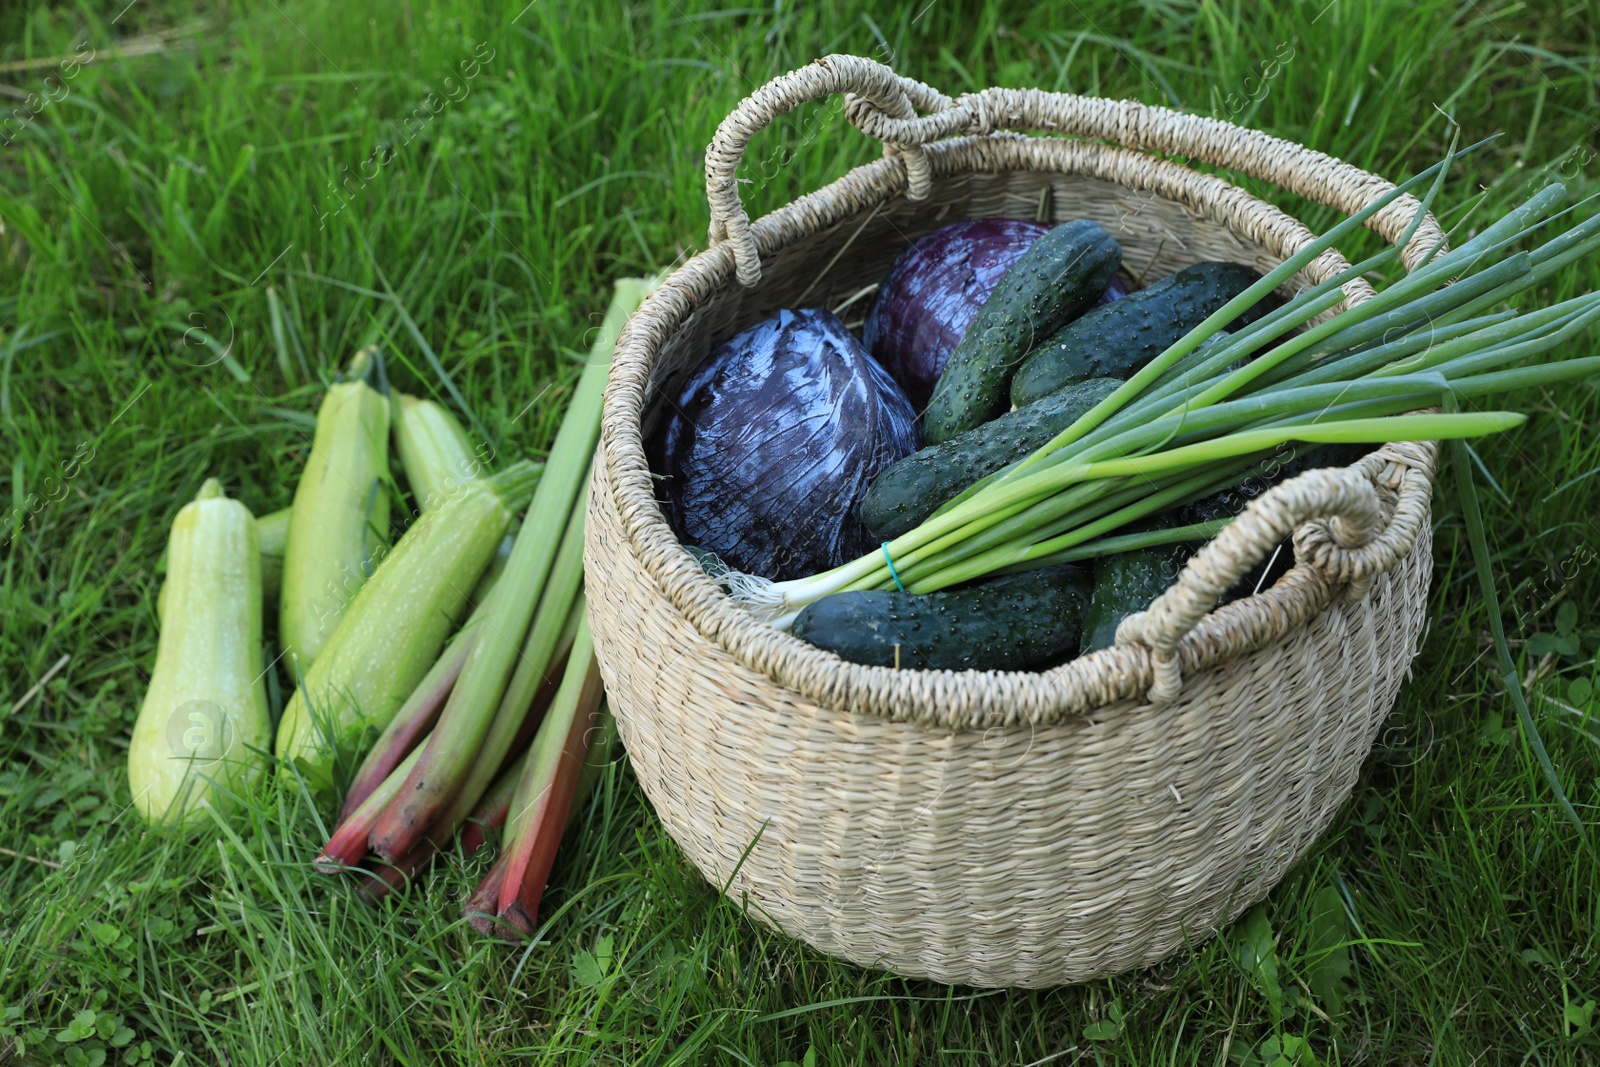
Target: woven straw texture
1005,828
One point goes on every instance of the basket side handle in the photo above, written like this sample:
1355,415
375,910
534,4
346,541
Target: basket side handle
1339,528
881,92
885,106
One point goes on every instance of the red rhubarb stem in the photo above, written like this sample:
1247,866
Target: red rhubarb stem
459,815
491,813
489,817
413,721
472,737
454,748
348,844
503,747
549,779
480,907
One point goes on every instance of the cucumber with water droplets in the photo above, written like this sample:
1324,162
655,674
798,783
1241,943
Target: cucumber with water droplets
1125,583
908,491
1115,340
1059,278
1004,624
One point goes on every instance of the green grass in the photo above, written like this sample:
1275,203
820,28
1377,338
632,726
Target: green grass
1447,917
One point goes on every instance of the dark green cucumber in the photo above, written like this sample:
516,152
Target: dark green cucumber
1060,277
1116,339
1007,623
908,491
1128,581
1125,583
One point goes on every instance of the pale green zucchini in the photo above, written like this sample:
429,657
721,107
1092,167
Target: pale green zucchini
395,627
341,512
273,529
203,729
435,451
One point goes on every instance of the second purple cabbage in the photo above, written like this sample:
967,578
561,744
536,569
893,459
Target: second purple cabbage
934,290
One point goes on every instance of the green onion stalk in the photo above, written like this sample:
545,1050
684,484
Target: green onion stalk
1216,406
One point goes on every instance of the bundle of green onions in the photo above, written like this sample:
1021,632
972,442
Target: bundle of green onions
1216,407
508,727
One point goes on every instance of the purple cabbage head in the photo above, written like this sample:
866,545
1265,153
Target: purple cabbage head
932,293
772,442
934,290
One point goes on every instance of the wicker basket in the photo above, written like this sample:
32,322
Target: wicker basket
1005,828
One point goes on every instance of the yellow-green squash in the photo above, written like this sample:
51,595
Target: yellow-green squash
203,731
341,513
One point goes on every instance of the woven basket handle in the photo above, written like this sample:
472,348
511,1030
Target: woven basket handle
885,106
1339,529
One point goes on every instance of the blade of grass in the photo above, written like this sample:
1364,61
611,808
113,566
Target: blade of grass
1472,515
280,340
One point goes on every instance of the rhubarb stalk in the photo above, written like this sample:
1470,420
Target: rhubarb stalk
539,668
489,816
349,841
479,909
539,810
453,747
412,722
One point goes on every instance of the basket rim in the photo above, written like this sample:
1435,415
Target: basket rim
971,699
